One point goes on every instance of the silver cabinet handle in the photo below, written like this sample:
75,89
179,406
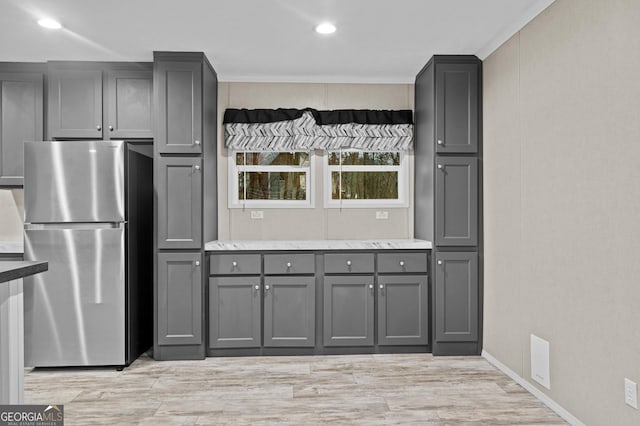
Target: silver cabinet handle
197,167
381,286
402,263
197,263
440,166
440,262
234,263
348,263
440,142
98,127
111,128
370,285
257,287
197,142
266,287
288,265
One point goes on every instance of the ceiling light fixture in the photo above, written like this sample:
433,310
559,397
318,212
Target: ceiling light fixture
49,23
326,28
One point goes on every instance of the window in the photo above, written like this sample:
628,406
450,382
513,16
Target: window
366,179
270,179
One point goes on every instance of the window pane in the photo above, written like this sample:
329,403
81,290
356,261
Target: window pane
273,158
353,158
273,185
365,185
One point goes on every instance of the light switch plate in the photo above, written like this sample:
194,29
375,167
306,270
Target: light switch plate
382,215
257,214
631,393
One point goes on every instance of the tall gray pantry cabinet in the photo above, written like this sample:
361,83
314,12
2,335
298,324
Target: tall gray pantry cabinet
448,196
21,116
185,114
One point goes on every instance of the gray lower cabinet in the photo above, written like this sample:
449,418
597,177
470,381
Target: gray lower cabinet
179,106
179,192
348,310
456,202
457,107
21,113
456,297
234,312
403,310
289,311
179,309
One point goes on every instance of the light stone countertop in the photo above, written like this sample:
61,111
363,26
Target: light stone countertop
11,247
266,245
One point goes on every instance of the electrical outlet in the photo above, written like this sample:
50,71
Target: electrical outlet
383,215
631,393
257,214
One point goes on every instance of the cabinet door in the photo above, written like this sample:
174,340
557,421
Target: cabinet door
289,311
179,299
348,310
128,101
75,104
179,203
20,121
403,310
178,107
456,294
457,108
456,201
234,312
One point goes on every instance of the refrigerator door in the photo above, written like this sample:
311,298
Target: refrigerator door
74,181
74,313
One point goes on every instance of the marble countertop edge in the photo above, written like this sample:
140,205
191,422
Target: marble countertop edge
272,245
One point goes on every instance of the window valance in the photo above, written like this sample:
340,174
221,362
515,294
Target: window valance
306,129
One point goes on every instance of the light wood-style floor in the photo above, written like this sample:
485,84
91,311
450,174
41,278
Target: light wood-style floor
349,389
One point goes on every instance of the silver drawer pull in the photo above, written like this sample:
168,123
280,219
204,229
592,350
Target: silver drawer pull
371,286
381,286
197,263
288,265
348,263
99,128
440,166
402,263
266,287
197,167
440,142
257,287
440,262
197,142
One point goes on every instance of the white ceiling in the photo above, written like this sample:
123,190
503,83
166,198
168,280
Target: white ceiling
378,41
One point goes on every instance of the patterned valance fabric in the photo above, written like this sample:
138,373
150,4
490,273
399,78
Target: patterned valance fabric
299,130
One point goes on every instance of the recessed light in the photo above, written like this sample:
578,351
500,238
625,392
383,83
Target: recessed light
49,23
326,28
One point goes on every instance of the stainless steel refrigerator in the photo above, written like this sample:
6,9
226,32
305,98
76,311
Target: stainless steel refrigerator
88,210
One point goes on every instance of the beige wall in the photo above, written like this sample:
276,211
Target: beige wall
11,214
562,203
318,222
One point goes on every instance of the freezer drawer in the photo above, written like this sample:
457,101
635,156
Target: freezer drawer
74,181
75,312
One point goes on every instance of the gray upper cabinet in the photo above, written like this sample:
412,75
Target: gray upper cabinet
457,97
456,206
74,103
21,113
456,297
129,100
179,299
99,100
179,195
348,310
234,312
179,107
289,311
403,310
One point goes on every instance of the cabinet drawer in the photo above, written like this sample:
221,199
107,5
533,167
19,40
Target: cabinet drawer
291,263
347,263
402,262
234,264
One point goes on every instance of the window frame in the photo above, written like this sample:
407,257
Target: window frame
403,183
233,169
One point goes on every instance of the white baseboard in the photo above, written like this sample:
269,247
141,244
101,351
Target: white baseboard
559,410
